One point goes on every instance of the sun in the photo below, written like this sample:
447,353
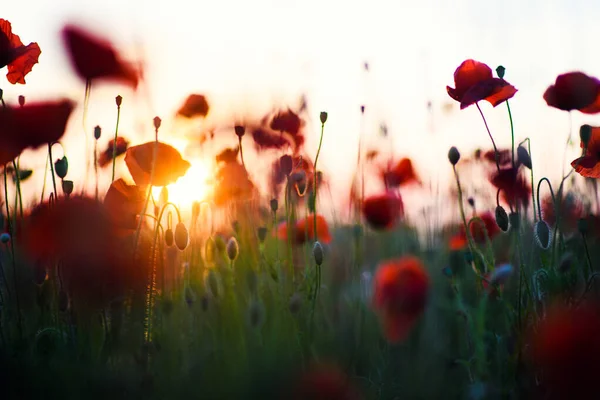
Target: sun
193,186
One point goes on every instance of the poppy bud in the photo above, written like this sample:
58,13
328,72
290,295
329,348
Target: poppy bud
318,253
195,210
239,131
500,70
362,109
181,236
67,187
274,205
169,237
583,226
5,238
157,121
63,301
21,100
501,218
255,314
163,197
232,248
471,201
515,221
453,155
39,273
323,117
585,134
262,234
97,132
295,303
119,100
286,164
542,234
213,283
524,157
501,274
61,167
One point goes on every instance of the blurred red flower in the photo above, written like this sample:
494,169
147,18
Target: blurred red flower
324,382
195,106
169,165
504,157
513,185
382,211
400,174
123,203
106,157
19,58
474,82
400,295
304,230
570,211
228,155
589,164
232,184
31,126
574,91
459,241
95,58
286,121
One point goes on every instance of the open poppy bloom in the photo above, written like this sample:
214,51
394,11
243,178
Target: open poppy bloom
169,165
474,82
400,295
123,203
400,174
195,106
304,230
106,157
589,164
31,126
513,186
574,91
19,58
232,184
95,58
459,241
566,350
384,210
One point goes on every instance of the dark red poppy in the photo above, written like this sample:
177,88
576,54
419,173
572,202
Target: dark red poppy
504,157
570,211
400,174
566,351
232,184
288,165
19,58
124,203
95,58
589,164
573,91
474,82
228,155
106,157
195,106
459,241
286,121
384,210
264,139
169,165
304,230
324,382
400,295
513,185
31,126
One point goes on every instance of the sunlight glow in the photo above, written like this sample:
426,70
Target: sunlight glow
193,186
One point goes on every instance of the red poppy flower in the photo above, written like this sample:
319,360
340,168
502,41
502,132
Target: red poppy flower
265,138
232,184
513,185
400,295
589,164
570,211
18,58
31,126
195,106
287,165
286,121
459,241
304,230
474,82
169,165
123,203
400,174
383,211
95,58
106,157
574,91
566,350
324,382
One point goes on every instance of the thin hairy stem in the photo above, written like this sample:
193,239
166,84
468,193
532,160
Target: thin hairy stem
491,137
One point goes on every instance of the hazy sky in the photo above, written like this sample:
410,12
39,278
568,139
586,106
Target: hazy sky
248,56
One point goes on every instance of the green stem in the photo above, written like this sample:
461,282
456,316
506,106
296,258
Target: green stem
512,133
496,154
114,155
45,177
315,181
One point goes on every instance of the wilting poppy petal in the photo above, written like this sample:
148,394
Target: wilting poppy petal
169,165
401,174
304,230
195,106
31,126
123,203
383,211
106,157
95,58
573,91
20,59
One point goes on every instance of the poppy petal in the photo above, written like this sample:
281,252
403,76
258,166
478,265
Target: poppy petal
169,165
572,91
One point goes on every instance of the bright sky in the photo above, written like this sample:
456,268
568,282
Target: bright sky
248,56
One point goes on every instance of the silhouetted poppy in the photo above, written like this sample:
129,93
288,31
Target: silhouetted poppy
228,155
19,58
232,184
106,157
31,126
286,121
382,211
400,174
95,58
401,289
512,184
169,165
459,241
265,138
589,164
573,91
288,165
570,211
324,382
304,230
123,203
195,106
566,349
474,82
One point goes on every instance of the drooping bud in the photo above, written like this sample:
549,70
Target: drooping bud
239,130
500,70
262,234
318,253
585,134
169,237
181,236
119,100
323,117
157,121
524,157
21,100
274,205
97,132
5,238
542,234
502,218
61,167
453,155
67,187
232,248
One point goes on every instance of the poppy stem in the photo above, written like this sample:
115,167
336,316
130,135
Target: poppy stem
45,177
96,165
315,180
114,154
16,166
462,210
512,133
241,152
496,154
52,168
587,254
533,203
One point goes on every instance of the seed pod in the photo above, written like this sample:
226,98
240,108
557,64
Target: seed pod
232,248
453,155
524,157
318,253
61,167
119,100
97,132
500,70
274,205
542,234
295,303
157,121
262,234
169,237
67,187
21,100
323,117
181,236
502,218
585,134
239,130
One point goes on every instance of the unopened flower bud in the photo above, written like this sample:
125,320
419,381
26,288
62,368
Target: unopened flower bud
181,236
97,132
67,187
274,205
471,201
524,157
61,167
21,100
157,121
119,100
239,130
169,237
500,70
318,253
262,234
362,109
502,218
585,134
453,155
232,248
323,117
542,234
5,238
